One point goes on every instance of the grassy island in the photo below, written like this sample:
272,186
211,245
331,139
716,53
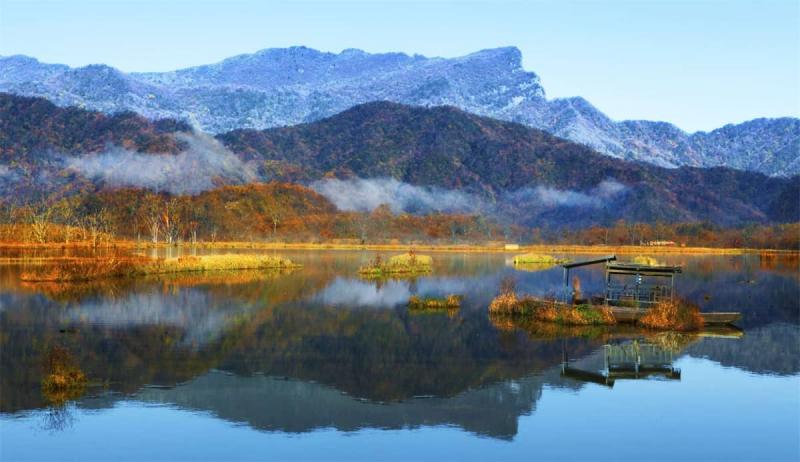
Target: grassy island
86,269
432,303
408,263
537,259
548,310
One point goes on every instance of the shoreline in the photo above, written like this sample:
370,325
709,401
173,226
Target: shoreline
442,248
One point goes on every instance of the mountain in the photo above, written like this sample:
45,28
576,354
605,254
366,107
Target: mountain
522,172
420,159
287,86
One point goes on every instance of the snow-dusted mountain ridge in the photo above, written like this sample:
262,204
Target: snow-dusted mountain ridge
287,86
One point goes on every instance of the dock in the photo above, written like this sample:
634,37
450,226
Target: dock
631,315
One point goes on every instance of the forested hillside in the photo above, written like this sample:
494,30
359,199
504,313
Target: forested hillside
415,160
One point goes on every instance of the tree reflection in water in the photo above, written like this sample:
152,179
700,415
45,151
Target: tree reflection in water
350,346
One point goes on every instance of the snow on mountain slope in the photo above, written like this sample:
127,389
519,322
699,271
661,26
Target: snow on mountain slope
287,86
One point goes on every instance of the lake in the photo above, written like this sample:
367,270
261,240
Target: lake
317,364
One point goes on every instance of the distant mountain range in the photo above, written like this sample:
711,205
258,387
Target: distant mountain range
281,87
422,159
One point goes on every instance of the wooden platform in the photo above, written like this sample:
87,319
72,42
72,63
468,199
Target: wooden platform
709,319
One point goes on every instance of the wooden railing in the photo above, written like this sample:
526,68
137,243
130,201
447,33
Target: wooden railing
642,294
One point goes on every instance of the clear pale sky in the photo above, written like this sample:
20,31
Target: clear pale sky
698,64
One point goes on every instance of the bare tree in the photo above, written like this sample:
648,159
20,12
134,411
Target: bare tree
170,221
150,213
98,225
66,213
276,217
39,219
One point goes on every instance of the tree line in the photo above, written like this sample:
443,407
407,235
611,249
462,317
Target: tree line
293,213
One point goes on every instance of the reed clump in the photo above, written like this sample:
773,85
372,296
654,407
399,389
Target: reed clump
408,263
63,378
677,315
432,303
87,269
537,258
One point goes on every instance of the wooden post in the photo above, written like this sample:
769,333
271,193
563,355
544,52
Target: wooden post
672,287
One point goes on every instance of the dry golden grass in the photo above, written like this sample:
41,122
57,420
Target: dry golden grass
678,316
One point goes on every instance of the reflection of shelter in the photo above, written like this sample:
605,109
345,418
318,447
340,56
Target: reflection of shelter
627,361
639,284
637,360
630,283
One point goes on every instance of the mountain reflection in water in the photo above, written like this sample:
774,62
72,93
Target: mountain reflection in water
321,348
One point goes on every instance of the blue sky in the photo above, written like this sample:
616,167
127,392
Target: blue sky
698,64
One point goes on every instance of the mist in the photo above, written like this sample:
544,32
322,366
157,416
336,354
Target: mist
203,165
364,195
547,197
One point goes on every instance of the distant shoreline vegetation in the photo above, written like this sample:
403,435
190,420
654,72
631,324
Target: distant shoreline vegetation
271,215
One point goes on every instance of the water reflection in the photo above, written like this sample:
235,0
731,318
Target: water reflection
321,348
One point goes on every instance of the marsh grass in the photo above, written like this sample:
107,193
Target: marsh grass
678,315
87,269
408,263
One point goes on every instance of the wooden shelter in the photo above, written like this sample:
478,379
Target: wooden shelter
629,283
639,284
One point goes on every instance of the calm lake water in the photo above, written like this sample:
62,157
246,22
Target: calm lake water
318,364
